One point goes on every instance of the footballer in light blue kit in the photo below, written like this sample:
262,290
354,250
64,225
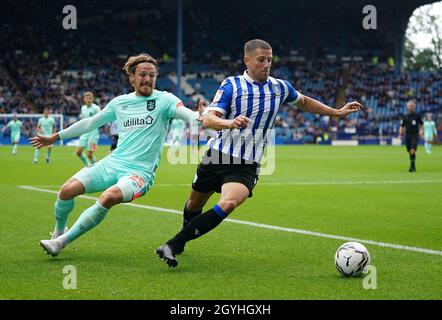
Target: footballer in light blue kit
45,126
430,132
178,128
89,140
128,172
15,127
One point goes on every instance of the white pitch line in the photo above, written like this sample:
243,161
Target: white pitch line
319,183
302,183
94,198
270,227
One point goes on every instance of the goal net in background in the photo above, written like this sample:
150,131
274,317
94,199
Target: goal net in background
29,128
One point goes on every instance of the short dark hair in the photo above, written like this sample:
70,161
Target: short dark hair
133,61
254,44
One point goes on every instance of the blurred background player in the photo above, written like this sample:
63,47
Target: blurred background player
194,131
88,140
430,133
178,128
45,127
113,131
15,126
412,122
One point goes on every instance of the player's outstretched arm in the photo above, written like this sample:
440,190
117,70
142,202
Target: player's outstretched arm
188,115
75,130
4,128
311,105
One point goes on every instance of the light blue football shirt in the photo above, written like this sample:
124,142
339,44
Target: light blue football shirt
46,125
142,129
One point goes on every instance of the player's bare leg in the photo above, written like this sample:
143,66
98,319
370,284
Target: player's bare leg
70,189
233,194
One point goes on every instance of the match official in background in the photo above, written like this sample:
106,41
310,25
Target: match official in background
412,122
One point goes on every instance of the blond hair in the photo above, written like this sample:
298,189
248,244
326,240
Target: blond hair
133,61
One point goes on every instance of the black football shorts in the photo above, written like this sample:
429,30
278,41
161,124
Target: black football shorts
211,175
411,142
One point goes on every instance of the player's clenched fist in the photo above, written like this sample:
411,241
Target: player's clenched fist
239,122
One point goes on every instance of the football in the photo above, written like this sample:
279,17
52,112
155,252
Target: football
351,259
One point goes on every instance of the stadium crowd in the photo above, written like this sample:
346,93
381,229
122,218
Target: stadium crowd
35,73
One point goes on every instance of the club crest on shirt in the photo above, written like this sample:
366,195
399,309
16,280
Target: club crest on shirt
151,105
413,122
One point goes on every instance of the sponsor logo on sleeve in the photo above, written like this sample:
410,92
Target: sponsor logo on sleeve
218,95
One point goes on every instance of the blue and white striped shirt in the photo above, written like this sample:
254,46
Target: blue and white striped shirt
241,95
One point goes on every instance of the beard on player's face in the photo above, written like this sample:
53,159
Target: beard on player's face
145,87
259,73
144,78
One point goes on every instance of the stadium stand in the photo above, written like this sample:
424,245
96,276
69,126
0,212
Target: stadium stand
47,66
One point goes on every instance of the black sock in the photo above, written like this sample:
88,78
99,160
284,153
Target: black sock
198,226
412,159
189,215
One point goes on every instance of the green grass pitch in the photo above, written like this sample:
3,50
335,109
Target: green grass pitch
357,192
